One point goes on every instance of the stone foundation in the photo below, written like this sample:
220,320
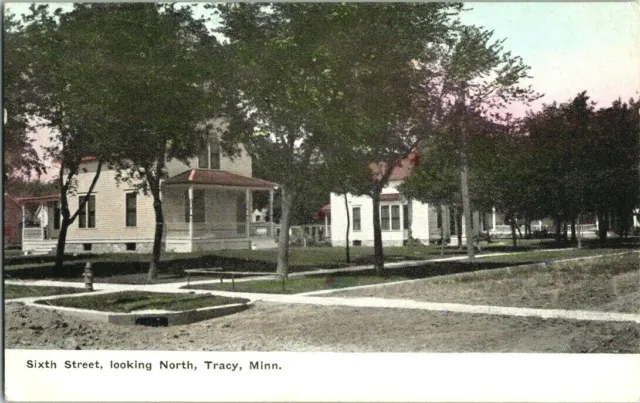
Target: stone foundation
108,247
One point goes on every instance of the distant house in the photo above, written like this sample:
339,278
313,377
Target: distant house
207,205
12,227
401,218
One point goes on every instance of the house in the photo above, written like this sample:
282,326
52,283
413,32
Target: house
401,218
12,221
207,205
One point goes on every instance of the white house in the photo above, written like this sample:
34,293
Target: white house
400,217
207,205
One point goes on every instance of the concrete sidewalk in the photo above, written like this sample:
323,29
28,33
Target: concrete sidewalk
310,299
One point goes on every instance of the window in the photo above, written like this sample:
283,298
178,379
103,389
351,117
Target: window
131,246
87,215
86,247
384,218
395,217
203,158
407,219
209,156
214,162
131,209
198,205
356,219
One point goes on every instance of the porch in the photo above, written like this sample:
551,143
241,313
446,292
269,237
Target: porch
40,223
209,210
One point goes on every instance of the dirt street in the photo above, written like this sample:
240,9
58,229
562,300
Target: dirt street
281,327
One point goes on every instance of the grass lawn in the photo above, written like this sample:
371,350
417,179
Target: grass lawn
299,284
22,291
130,301
609,283
548,255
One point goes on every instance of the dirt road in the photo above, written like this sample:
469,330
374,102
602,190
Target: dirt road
282,327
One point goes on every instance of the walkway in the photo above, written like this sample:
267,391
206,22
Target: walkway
310,298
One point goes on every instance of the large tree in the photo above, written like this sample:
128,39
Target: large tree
20,157
65,68
112,77
483,79
163,92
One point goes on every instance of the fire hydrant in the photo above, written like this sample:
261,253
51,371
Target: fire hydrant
88,277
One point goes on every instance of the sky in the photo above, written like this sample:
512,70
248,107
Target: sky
570,47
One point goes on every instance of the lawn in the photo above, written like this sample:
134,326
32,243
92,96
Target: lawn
610,283
12,291
299,284
130,301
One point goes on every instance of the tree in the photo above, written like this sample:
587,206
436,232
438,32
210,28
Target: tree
66,84
281,78
483,79
163,92
107,90
387,69
20,157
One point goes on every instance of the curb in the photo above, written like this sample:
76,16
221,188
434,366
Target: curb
171,318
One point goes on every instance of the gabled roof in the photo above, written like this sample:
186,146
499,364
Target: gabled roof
219,178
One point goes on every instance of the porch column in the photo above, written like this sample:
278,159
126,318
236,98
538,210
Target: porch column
249,210
326,225
191,212
493,223
428,229
272,225
44,219
24,220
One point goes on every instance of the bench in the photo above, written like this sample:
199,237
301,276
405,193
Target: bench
233,274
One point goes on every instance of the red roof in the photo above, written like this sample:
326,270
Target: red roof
220,178
33,199
402,169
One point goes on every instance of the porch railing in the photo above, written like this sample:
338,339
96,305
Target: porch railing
217,230
261,228
33,234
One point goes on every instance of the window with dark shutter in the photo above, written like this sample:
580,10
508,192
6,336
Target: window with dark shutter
87,214
131,209
384,218
357,222
395,217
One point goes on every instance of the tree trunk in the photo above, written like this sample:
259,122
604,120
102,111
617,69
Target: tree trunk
283,244
579,233
378,257
157,237
558,234
62,242
603,227
459,227
67,218
565,237
513,232
464,180
346,206
573,230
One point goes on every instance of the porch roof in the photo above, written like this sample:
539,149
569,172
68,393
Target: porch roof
37,199
219,178
389,196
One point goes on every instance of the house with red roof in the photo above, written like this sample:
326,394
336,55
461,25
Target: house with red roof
207,205
401,218
12,223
